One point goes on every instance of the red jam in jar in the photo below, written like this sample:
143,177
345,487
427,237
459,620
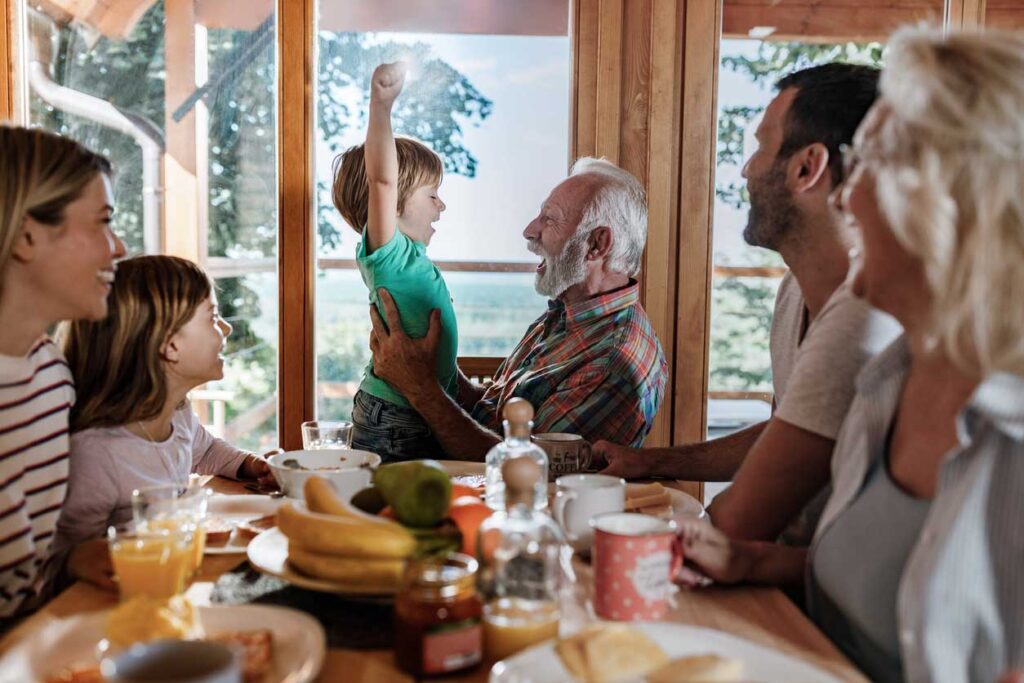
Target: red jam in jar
438,617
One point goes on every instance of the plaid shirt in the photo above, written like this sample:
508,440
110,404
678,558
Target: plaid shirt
593,368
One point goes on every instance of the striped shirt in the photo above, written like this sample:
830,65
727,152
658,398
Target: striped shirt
960,602
593,368
36,394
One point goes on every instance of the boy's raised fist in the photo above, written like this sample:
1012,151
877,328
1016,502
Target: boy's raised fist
387,81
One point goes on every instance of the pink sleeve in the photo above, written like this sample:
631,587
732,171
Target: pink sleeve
211,455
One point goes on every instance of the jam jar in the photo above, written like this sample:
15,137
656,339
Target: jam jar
438,614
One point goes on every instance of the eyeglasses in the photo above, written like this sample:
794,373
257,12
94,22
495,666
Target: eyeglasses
851,159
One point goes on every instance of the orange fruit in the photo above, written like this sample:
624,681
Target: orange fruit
468,516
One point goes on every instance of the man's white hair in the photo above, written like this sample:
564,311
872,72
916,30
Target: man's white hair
621,205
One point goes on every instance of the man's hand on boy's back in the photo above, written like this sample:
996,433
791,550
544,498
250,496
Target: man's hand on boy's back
386,82
405,363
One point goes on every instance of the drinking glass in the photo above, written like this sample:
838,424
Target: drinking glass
175,506
319,435
155,562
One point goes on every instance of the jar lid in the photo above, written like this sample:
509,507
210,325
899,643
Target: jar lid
439,572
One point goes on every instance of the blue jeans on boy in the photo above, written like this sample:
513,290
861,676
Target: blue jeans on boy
393,432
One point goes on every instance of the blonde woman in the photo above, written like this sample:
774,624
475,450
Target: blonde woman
57,253
132,425
917,567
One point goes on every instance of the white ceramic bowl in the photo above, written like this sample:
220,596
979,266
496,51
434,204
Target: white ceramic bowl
348,471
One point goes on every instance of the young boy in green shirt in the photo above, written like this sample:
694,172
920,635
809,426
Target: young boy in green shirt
387,190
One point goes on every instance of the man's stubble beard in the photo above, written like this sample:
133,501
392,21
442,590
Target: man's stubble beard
772,213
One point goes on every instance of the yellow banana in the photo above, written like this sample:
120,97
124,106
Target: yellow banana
323,498
362,573
344,536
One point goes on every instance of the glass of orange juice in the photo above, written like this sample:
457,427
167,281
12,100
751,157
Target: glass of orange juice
150,561
175,506
513,624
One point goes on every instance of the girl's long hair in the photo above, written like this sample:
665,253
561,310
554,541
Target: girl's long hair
118,363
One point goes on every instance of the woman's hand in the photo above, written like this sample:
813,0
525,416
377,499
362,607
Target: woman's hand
89,561
710,554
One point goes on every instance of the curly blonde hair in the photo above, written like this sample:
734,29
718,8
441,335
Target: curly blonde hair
949,165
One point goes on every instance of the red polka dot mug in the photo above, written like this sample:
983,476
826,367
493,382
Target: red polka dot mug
635,559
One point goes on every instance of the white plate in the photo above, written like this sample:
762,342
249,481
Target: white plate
541,664
462,468
682,503
299,642
235,510
268,552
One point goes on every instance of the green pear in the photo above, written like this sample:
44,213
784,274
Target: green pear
418,491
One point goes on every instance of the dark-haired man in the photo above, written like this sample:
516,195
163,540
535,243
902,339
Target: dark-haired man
821,335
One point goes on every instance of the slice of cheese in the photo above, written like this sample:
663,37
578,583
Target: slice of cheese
662,498
699,669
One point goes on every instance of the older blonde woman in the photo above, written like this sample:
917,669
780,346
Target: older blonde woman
57,255
917,567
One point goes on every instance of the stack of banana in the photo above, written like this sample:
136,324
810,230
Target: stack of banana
332,540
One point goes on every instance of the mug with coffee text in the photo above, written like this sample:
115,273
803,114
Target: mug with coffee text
636,558
567,453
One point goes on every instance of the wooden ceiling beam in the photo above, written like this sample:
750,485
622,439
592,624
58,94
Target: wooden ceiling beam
824,20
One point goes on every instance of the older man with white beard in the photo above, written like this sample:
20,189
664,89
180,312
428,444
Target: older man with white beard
591,365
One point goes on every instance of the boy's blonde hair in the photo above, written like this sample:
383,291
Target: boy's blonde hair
418,165
949,163
117,363
40,174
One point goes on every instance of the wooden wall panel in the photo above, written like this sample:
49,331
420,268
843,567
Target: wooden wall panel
296,183
583,134
185,139
965,13
7,60
825,20
1004,14
701,38
664,112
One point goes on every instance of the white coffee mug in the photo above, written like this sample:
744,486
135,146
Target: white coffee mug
579,497
567,453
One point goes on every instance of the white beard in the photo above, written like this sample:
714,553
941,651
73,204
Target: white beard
562,271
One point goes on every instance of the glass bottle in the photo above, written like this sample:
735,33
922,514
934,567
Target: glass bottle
518,423
524,566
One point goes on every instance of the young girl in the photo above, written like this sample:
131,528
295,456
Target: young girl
132,425
57,256
387,190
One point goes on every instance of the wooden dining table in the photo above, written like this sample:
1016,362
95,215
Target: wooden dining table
762,615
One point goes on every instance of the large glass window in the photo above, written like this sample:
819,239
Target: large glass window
181,96
489,92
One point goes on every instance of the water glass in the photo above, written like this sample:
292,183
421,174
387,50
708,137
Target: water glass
320,435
